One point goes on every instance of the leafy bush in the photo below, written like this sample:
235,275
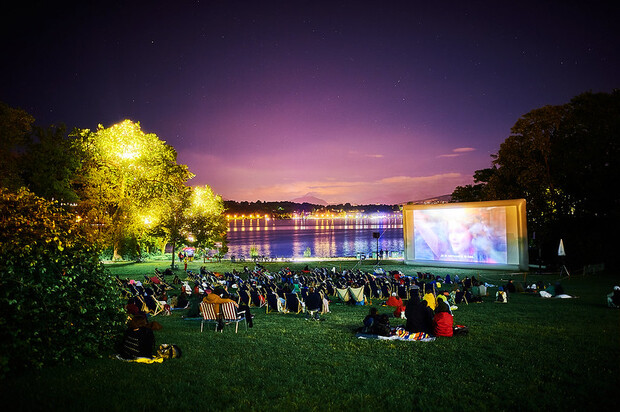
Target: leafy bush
57,301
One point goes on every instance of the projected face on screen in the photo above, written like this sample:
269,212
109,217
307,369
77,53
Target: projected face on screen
475,235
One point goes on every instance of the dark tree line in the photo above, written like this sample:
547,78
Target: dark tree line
564,161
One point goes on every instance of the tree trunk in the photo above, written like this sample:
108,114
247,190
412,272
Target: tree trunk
138,251
117,246
173,254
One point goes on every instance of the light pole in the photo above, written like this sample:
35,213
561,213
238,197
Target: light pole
377,235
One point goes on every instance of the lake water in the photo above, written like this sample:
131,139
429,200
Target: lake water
289,238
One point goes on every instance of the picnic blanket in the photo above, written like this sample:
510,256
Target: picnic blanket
399,333
141,360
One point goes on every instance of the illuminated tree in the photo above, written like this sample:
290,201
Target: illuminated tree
170,222
193,216
125,172
206,221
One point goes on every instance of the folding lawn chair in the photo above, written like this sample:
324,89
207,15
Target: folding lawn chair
151,305
255,299
293,304
343,294
403,292
386,291
272,303
357,294
208,314
244,297
230,314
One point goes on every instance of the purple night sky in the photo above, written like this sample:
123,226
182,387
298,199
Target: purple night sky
360,102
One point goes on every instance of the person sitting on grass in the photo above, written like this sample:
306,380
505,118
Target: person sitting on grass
443,321
369,320
138,340
419,315
314,302
501,296
613,298
182,300
444,298
133,307
431,300
376,324
396,302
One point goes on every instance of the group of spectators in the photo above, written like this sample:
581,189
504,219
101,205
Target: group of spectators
429,313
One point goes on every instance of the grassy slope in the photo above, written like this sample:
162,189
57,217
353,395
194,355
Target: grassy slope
530,354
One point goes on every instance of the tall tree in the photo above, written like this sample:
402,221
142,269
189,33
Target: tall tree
524,165
15,128
206,221
124,172
50,163
170,221
564,161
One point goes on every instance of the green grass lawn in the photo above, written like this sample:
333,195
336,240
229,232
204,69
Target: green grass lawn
530,354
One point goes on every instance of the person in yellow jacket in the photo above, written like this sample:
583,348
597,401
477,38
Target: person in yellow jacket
216,298
219,296
430,300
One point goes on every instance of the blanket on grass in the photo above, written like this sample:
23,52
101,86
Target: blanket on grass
141,360
399,334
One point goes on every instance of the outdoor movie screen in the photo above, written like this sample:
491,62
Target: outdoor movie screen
461,235
480,234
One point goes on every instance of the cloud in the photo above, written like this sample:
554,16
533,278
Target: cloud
277,179
458,152
356,153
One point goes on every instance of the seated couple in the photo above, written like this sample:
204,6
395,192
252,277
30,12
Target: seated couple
421,318
219,296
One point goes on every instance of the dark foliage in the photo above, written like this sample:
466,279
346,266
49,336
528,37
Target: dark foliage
57,301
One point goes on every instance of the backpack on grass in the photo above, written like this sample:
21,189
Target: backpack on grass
166,351
460,330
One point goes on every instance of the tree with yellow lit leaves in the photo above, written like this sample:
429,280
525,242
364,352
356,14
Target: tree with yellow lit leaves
206,221
191,216
125,173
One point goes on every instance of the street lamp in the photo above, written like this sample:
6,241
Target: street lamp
377,235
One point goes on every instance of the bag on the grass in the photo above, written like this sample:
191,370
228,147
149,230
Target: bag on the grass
460,330
167,351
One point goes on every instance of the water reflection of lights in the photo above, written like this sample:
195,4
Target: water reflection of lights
325,237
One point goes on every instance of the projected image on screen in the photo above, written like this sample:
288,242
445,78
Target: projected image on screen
475,235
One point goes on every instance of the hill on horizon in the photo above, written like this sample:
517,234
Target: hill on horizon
309,198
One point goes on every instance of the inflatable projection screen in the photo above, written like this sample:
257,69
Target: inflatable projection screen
481,235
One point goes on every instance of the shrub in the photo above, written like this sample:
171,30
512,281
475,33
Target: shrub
57,301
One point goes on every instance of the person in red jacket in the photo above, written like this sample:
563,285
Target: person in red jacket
394,301
443,321
397,303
